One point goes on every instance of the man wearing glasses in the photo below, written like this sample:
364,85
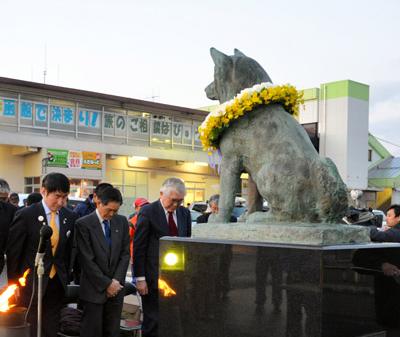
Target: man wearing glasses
164,217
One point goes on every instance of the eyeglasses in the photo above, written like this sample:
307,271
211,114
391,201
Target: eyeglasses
177,201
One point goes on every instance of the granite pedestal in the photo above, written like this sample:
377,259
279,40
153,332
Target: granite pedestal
240,289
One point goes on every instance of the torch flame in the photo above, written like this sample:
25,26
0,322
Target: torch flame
22,280
164,287
9,292
4,297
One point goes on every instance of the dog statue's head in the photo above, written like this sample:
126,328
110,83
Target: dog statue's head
233,74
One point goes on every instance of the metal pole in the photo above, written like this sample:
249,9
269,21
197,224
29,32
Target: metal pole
40,272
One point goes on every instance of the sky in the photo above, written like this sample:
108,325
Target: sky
159,50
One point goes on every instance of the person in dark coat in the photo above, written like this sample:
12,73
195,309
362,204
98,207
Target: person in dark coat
89,205
164,217
33,198
386,286
7,212
103,251
23,243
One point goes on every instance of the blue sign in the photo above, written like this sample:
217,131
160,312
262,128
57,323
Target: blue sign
26,110
41,112
56,114
9,109
68,116
89,119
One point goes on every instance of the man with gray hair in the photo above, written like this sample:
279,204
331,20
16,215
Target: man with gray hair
164,217
7,212
212,209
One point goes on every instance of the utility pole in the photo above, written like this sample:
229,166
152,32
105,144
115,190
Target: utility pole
45,64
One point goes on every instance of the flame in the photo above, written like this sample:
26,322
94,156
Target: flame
22,280
5,296
164,287
10,291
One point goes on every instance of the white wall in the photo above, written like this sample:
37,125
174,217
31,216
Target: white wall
344,138
357,145
396,197
309,113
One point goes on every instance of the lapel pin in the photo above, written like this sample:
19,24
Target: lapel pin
40,218
68,234
64,221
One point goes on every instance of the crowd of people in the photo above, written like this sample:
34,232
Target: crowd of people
93,246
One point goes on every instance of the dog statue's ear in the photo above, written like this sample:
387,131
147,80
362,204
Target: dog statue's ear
238,53
218,57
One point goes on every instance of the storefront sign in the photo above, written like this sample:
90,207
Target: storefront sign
91,160
57,158
74,159
66,118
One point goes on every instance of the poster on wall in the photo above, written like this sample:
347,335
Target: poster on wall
91,160
74,159
57,158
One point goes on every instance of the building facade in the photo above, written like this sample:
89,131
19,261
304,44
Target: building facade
93,137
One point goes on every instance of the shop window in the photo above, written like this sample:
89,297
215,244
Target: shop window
31,184
132,184
81,188
194,192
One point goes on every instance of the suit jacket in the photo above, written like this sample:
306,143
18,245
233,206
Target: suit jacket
390,235
151,226
23,242
7,212
99,262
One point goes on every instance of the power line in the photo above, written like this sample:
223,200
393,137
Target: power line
386,141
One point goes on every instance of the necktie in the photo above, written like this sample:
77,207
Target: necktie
107,231
173,230
54,240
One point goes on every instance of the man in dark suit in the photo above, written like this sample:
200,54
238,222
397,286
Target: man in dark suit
7,212
22,247
164,217
103,252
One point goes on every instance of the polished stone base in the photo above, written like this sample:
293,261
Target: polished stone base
236,289
282,232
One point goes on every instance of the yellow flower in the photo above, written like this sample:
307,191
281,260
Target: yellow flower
247,100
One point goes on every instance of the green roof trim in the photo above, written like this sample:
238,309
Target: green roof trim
378,147
209,108
345,88
385,182
310,94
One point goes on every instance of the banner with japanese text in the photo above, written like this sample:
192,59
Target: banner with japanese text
74,159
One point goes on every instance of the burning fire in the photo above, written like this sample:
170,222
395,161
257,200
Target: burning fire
10,291
165,288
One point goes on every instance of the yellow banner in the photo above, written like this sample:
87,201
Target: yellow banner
91,160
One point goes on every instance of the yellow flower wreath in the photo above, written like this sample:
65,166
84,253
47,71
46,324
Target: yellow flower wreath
247,100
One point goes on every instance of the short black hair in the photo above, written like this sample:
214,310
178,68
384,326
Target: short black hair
110,194
33,198
396,209
56,182
100,187
13,196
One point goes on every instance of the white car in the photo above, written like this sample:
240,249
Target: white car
380,213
